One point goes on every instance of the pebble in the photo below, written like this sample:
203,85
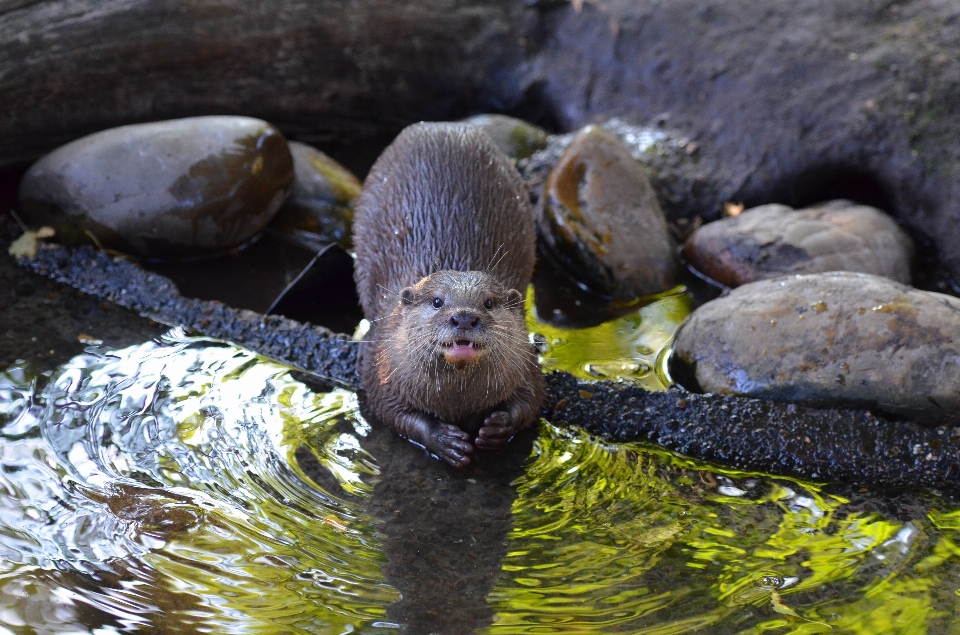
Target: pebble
775,240
829,339
321,200
169,189
600,222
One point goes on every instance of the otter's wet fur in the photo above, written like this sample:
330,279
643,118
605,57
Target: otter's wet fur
445,245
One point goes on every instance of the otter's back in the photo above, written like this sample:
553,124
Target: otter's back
441,196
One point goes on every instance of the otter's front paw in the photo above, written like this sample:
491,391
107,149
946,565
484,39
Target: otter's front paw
497,429
451,444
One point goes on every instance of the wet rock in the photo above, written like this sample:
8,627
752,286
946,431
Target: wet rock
156,512
321,200
668,158
600,222
517,138
775,240
170,189
839,338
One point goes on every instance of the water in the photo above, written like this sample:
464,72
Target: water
633,539
159,480
632,348
189,486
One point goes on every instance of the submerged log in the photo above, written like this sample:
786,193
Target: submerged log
843,446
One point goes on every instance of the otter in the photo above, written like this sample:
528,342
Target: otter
445,245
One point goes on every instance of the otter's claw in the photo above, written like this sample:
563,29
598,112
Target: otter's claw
452,444
497,429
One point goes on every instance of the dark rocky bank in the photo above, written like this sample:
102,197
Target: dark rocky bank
791,102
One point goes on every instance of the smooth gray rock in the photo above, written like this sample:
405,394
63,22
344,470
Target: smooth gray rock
321,200
599,220
840,339
517,138
169,189
775,240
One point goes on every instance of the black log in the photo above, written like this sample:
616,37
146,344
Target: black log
847,446
327,355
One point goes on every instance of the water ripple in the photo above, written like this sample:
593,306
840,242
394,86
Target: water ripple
158,483
629,538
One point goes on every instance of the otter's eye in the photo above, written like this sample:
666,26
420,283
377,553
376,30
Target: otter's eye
437,303
488,304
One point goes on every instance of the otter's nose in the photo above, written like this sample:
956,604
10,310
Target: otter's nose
464,320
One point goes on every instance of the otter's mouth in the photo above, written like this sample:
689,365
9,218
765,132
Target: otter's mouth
462,352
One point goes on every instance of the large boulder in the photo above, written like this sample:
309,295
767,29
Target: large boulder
838,339
170,189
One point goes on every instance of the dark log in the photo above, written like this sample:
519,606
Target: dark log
844,446
326,355
316,69
840,446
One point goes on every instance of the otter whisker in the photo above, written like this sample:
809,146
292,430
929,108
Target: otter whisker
493,265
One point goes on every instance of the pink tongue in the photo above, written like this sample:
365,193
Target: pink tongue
461,353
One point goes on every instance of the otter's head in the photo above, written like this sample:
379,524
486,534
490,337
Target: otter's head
459,317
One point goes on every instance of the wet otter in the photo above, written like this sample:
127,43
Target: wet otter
445,244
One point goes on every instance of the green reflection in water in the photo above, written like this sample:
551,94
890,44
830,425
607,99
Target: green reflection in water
632,348
153,488
630,538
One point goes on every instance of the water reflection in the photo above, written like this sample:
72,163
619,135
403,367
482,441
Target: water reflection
189,486
633,539
157,482
444,531
633,347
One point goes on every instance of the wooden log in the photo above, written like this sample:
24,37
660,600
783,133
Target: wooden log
316,69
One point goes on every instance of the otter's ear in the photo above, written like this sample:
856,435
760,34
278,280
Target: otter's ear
514,300
407,295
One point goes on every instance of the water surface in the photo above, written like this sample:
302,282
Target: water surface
191,486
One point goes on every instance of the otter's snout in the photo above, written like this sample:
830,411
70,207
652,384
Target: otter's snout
465,321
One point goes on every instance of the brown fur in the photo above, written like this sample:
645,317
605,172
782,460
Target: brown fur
444,218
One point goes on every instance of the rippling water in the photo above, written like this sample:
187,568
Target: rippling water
155,487
633,539
190,486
